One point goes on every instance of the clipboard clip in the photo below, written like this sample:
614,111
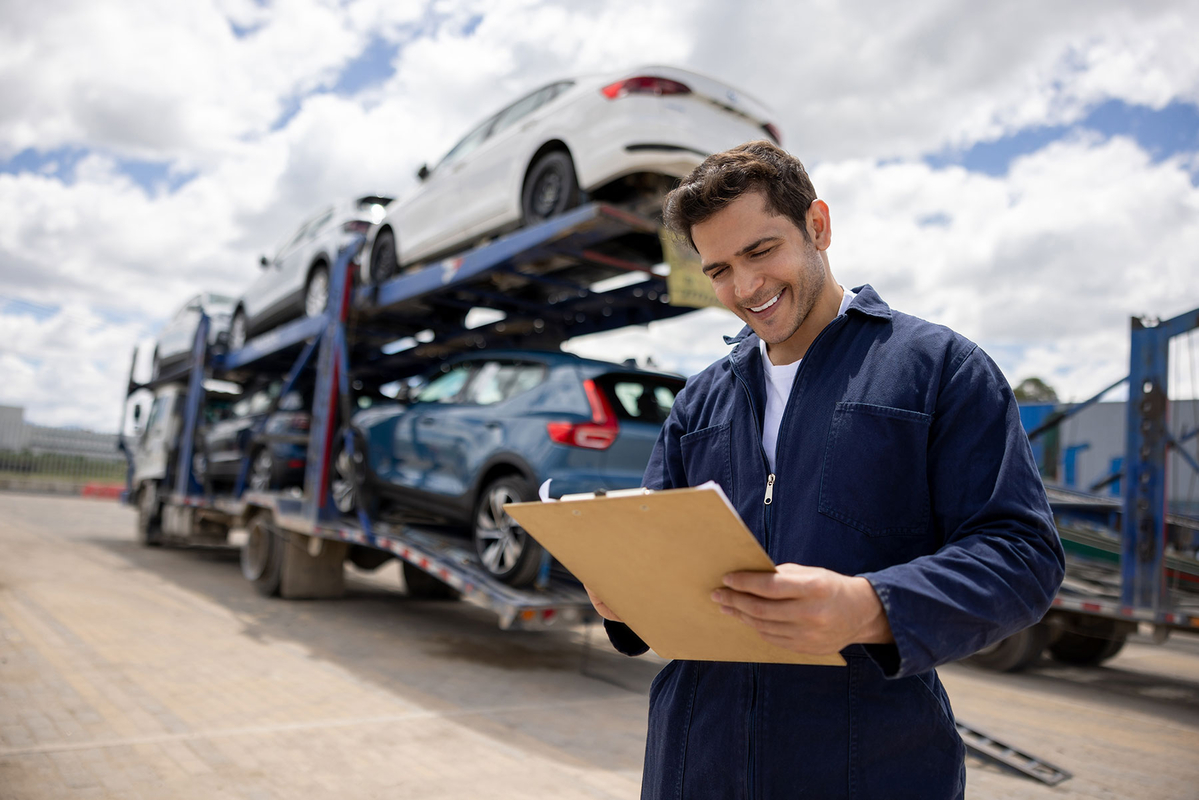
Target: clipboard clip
543,493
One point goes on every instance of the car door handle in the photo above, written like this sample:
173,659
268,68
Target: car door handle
493,426
427,420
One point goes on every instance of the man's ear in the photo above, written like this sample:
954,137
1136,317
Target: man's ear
820,227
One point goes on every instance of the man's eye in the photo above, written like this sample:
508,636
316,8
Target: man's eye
760,252
716,273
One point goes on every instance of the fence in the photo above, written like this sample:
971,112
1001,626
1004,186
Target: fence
55,459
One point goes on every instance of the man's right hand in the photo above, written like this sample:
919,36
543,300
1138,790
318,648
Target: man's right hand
602,609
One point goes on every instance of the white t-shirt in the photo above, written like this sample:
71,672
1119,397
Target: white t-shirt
779,379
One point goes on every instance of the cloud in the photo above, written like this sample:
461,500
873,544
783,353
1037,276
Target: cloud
1042,265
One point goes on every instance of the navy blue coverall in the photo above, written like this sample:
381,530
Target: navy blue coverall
901,458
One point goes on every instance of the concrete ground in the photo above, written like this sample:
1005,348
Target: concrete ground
128,672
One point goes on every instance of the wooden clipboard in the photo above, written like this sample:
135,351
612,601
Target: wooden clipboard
655,558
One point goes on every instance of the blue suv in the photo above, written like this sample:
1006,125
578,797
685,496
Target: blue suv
487,429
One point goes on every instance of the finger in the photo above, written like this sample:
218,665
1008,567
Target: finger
758,607
788,584
763,626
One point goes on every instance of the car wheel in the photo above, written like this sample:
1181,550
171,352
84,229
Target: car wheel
262,470
316,294
1016,652
1085,651
349,474
421,584
506,550
237,331
149,516
384,259
550,188
262,556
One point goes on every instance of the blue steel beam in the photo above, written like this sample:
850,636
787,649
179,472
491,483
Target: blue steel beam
273,341
1142,556
325,394
185,479
460,269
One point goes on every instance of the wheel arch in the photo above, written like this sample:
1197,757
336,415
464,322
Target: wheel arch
499,466
368,248
548,147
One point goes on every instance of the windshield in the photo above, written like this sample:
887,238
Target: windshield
218,303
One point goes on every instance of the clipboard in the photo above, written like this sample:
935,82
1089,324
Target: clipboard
655,558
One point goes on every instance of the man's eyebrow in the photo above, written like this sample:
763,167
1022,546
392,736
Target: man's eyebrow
748,248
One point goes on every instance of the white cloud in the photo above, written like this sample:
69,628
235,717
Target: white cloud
852,85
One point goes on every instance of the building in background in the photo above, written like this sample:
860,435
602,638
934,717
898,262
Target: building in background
1088,449
71,454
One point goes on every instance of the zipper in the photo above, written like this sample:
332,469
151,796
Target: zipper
750,775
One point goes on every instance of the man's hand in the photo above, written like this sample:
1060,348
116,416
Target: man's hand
603,610
805,609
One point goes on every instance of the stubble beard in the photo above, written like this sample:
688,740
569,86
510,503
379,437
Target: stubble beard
807,291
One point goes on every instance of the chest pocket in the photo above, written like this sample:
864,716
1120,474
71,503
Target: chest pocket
707,457
875,475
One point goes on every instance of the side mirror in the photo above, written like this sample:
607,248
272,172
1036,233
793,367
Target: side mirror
262,262
423,172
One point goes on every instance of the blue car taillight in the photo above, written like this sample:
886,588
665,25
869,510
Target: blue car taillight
598,434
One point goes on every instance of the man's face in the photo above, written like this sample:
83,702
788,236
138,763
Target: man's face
761,266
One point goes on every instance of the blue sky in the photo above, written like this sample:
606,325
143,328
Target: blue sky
972,178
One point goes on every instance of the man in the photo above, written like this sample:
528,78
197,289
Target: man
880,461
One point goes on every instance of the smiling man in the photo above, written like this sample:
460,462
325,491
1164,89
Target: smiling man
880,461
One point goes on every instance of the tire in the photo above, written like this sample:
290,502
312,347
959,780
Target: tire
385,263
1016,652
262,471
316,292
262,556
550,188
424,586
348,475
149,516
505,550
1085,651
237,331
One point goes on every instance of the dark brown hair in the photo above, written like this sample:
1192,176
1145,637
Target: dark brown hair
723,177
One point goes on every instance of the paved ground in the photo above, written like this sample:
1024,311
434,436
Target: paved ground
128,672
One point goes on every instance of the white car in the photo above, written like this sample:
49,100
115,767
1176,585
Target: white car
295,282
615,138
178,336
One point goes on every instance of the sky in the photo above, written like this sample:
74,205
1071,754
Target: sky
1024,172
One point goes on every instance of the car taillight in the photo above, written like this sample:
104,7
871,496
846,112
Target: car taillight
356,226
644,84
599,434
300,422
773,132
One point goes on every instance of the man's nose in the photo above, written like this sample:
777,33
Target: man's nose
746,282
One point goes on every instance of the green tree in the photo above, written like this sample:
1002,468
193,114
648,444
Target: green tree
1035,390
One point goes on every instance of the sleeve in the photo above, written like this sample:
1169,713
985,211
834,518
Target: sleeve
664,471
1001,561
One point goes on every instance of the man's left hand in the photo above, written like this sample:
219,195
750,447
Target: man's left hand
806,609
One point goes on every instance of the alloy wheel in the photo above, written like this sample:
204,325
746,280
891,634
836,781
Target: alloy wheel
547,192
237,332
317,296
500,539
260,471
342,485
